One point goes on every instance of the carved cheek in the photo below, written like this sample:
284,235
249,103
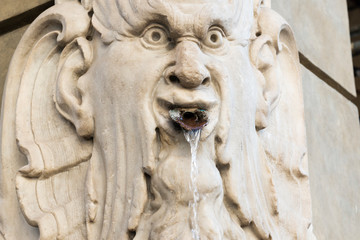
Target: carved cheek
126,67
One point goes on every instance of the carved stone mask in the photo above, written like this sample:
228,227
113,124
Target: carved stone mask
97,82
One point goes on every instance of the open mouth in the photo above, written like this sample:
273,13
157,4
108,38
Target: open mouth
187,113
190,119
189,116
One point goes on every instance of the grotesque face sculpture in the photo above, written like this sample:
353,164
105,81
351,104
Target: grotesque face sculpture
105,158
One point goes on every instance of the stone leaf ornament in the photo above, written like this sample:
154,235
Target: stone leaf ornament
88,143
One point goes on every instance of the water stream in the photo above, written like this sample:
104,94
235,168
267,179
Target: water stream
193,139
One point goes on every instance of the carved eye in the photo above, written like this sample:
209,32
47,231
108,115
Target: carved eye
156,36
214,38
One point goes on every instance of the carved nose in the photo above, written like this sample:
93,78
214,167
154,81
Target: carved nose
190,70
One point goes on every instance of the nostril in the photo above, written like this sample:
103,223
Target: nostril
206,81
174,79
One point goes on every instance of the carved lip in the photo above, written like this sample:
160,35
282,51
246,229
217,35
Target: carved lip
196,104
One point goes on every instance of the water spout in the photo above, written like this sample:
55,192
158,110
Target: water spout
192,137
190,119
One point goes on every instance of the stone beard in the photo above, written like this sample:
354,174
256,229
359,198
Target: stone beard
115,76
205,72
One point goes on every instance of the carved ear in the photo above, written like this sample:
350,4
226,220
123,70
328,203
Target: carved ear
273,53
263,56
71,97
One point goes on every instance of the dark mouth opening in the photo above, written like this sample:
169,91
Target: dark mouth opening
189,119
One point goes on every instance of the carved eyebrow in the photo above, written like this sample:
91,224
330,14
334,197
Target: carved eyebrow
154,19
222,25
199,23
208,17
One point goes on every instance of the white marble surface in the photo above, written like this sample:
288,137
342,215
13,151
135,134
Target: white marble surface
103,159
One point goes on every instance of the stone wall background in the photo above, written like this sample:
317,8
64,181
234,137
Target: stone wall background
333,133
332,119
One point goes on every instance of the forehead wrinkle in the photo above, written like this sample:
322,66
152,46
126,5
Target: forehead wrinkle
134,15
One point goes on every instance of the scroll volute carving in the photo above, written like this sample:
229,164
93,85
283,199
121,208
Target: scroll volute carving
54,47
